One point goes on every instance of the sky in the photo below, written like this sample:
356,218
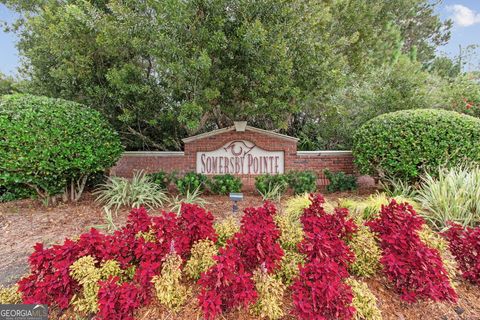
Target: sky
464,13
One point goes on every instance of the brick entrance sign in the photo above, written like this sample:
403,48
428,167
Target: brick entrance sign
244,152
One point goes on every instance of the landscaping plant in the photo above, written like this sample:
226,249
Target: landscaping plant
190,182
52,145
271,187
367,252
364,301
270,295
416,270
191,197
302,181
162,178
340,181
168,287
201,258
139,191
451,195
226,229
224,184
320,291
464,243
406,144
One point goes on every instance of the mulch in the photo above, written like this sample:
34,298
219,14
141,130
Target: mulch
26,222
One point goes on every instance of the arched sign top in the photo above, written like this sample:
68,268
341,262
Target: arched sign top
240,157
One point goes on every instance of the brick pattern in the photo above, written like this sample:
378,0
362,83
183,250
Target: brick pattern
182,163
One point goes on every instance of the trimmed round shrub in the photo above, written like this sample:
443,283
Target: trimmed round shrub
224,184
48,144
405,144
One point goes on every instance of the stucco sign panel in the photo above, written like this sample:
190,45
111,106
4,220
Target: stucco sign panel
240,157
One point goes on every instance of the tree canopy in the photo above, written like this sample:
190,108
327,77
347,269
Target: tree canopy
162,70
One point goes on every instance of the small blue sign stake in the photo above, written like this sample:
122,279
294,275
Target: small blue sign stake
235,197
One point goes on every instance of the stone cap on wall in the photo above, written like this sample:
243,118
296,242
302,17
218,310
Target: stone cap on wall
232,128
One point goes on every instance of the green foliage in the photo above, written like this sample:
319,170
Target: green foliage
289,266
201,259
302,181
191,182
168,287
162,178
271,187
270,295
364,301
224,184
369,208
295,205
10,295
451,195
14,192
405,144
139,191
192,197
396,187
226,229
367,252
51,144
339,181
87,274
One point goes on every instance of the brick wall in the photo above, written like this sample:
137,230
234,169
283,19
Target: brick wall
183,162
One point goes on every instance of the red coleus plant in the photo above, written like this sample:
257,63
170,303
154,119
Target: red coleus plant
195,223
464,243
319,292
226,285
416,270
117,301
257,241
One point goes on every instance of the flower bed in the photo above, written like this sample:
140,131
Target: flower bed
161,257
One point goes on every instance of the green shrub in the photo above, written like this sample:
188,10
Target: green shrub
405,144
271,186
53,145
224,184
162,178
190,182
302,181
339,181
451,195
139,191
14,192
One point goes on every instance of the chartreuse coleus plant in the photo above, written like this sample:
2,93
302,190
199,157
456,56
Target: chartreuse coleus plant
226,229
364,301
87,274
290,265
367,252
201,258
10,295
168,287
270,292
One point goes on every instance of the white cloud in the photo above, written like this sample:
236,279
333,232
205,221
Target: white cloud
464,16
